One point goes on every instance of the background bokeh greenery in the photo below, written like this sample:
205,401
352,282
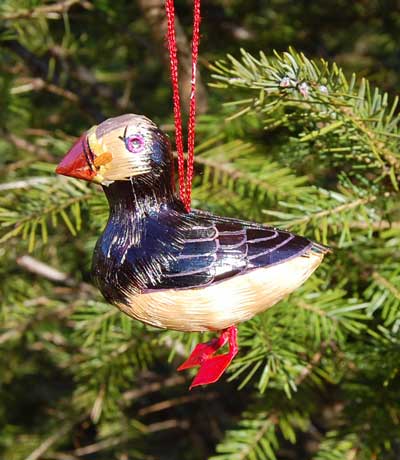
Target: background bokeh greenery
317,376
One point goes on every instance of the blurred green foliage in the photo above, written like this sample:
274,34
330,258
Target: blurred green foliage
294,141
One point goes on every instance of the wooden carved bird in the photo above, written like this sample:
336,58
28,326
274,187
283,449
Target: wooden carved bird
173,269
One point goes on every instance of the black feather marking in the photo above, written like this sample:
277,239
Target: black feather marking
158,246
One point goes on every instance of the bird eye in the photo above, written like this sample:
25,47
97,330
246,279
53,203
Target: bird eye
135,143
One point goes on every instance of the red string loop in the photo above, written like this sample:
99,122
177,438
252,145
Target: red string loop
185,180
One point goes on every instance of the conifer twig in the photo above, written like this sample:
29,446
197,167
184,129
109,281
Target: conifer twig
314,361
47,443
38,84
333,211
39,67
29,182
168,403
153,387
40,268
46,10
387,284
23,144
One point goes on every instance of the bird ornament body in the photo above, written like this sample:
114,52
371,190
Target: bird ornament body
174,269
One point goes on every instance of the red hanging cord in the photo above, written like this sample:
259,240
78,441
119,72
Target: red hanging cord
185,183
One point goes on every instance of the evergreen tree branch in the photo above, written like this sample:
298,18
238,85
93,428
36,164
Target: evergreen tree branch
38,84
53,199
272,180
40,66
290,85
153,387
50,441
343,208
386,284
20,143
51,11
39,268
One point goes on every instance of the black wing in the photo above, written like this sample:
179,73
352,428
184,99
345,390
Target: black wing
215,248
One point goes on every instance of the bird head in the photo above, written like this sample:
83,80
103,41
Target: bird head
119,148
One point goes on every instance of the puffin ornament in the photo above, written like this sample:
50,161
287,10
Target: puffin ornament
174,269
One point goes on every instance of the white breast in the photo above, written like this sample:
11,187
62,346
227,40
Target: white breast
223,304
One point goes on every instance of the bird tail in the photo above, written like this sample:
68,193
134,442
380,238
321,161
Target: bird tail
320,249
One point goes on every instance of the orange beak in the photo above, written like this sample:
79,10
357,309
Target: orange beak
78,162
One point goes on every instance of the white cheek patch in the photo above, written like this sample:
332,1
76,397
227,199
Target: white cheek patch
123,164
121,168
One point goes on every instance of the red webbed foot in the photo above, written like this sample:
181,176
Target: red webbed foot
212,367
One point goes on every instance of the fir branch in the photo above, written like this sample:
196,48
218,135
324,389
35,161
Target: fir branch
333,211
328,213
26,183
271,180
51,200
387,285
169,403
153,387
48,443
238,170
42,269
38,84
103,445
274,346
319,94
40,67
20,143
254,438
384,295
337,448
52,11
256,435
